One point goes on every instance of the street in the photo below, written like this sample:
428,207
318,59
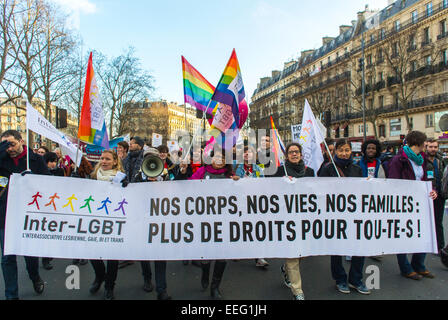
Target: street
242,281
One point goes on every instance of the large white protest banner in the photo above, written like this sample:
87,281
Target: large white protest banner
37,123
217,219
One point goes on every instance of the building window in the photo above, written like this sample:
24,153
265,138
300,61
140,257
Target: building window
413,66
444,4
445,85
428,60
382,33
361,129
429,9
397,25
411,123
430,120
442,27
426,36
444,56
414,16
381,101
382,130
372,38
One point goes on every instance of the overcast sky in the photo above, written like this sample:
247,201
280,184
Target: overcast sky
264,33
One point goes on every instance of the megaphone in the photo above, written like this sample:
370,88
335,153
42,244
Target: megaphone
152,166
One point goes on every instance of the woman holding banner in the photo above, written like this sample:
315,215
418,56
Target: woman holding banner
217,170
344,167
106,170
410,164
249,169
294,168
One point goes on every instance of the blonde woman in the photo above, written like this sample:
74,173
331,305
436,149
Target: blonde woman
106,170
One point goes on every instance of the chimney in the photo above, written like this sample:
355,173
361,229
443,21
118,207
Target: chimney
326,40
343,29
275,73
264,80
288,64
306,53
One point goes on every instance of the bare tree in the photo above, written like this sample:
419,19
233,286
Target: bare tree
8,60
53,47
406,74
122,80
372,88
26,27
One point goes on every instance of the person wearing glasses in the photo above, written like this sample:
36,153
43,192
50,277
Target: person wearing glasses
249,169
294,167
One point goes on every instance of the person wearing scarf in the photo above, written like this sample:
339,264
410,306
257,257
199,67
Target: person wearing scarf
106,170
218,169
294,167
345,168
249,169
410,164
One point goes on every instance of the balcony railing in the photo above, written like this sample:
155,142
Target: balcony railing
414,104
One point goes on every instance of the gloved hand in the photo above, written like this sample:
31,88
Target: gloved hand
124,183
4,145
24,173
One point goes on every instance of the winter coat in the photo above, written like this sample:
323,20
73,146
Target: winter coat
436,177
379,171
257,172
400,167
133,164
350,170
209,172
8,167
307,172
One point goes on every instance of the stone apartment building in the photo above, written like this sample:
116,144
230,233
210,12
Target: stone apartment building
13,117
404,51
161,117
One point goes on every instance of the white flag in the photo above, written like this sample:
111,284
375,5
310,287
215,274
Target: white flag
37,123
310,140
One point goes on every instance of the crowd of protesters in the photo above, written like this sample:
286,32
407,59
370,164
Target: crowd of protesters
418,159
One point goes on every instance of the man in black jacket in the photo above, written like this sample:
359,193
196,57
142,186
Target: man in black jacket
13,159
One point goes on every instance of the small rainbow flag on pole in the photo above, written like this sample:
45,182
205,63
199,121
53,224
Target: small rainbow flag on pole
197,90
278,144
92,126
231,111
230,89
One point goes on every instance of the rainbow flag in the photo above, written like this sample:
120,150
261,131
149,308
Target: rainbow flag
92,126
231,112
278,145
197,90
230,89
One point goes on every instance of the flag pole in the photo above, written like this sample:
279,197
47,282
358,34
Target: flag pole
27,145
331,157
204,115
77,152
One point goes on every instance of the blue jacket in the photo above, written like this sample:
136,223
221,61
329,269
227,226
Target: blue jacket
379,171
257,172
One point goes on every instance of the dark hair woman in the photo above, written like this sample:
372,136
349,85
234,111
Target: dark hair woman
345,168
106,169
295,167
218,169
411,164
